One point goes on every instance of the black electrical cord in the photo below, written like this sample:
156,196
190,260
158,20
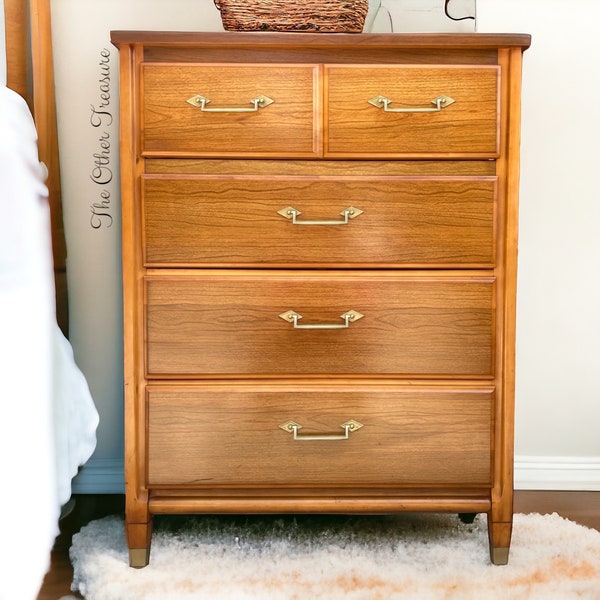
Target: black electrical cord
454,18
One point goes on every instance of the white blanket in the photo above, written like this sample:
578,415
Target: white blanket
48,420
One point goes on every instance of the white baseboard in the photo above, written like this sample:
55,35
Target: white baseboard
100,476
105,476
570,473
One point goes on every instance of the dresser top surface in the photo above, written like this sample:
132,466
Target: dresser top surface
350,40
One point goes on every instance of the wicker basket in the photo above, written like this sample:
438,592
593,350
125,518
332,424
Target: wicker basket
331,16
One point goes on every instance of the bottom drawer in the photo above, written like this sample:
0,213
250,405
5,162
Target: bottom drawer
212,436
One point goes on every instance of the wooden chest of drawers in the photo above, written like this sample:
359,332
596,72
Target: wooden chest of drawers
319,270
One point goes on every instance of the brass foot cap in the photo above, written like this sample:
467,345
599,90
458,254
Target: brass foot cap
139,557
499,556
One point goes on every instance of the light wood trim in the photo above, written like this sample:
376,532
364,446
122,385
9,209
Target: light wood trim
44,112
136,494
365,491
327,504
500,515
513,59
16,20
281,167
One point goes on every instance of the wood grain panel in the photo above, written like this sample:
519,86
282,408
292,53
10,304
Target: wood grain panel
406,221
468,127
322,168
319,53
290,125
419,437
214,324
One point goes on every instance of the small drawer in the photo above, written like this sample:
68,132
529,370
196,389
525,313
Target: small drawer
394,111
209,436
325,221
230,121
242,323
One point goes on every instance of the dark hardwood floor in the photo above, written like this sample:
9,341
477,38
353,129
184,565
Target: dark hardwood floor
57,582
582,507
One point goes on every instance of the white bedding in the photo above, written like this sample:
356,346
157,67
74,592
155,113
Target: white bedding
48,419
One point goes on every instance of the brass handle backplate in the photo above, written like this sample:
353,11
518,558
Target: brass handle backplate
291,316
259,102
348,427
292,213
384,103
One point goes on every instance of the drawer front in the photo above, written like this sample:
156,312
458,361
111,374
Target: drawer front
468,126
444,221
215,437
228,125
211,323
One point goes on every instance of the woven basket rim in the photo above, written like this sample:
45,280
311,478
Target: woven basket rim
293,15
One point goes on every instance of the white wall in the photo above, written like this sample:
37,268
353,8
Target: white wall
558,327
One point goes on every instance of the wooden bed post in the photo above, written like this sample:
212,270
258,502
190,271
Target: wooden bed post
44,113
17,58
30,72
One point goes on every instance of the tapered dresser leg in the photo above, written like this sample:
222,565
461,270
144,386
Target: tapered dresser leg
499,536
139,536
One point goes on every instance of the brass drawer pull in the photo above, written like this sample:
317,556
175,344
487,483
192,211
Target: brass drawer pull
348,426
259,102
292,316
292,213
383,102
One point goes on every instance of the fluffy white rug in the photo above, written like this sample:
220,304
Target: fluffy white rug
411,556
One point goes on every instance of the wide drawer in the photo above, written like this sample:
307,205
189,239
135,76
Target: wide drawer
324,221
230,124
242,323
357,122
205,436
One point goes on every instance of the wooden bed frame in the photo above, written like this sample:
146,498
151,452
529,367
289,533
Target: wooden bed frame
30,72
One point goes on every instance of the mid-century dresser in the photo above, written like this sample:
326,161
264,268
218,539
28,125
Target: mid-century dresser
319,274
